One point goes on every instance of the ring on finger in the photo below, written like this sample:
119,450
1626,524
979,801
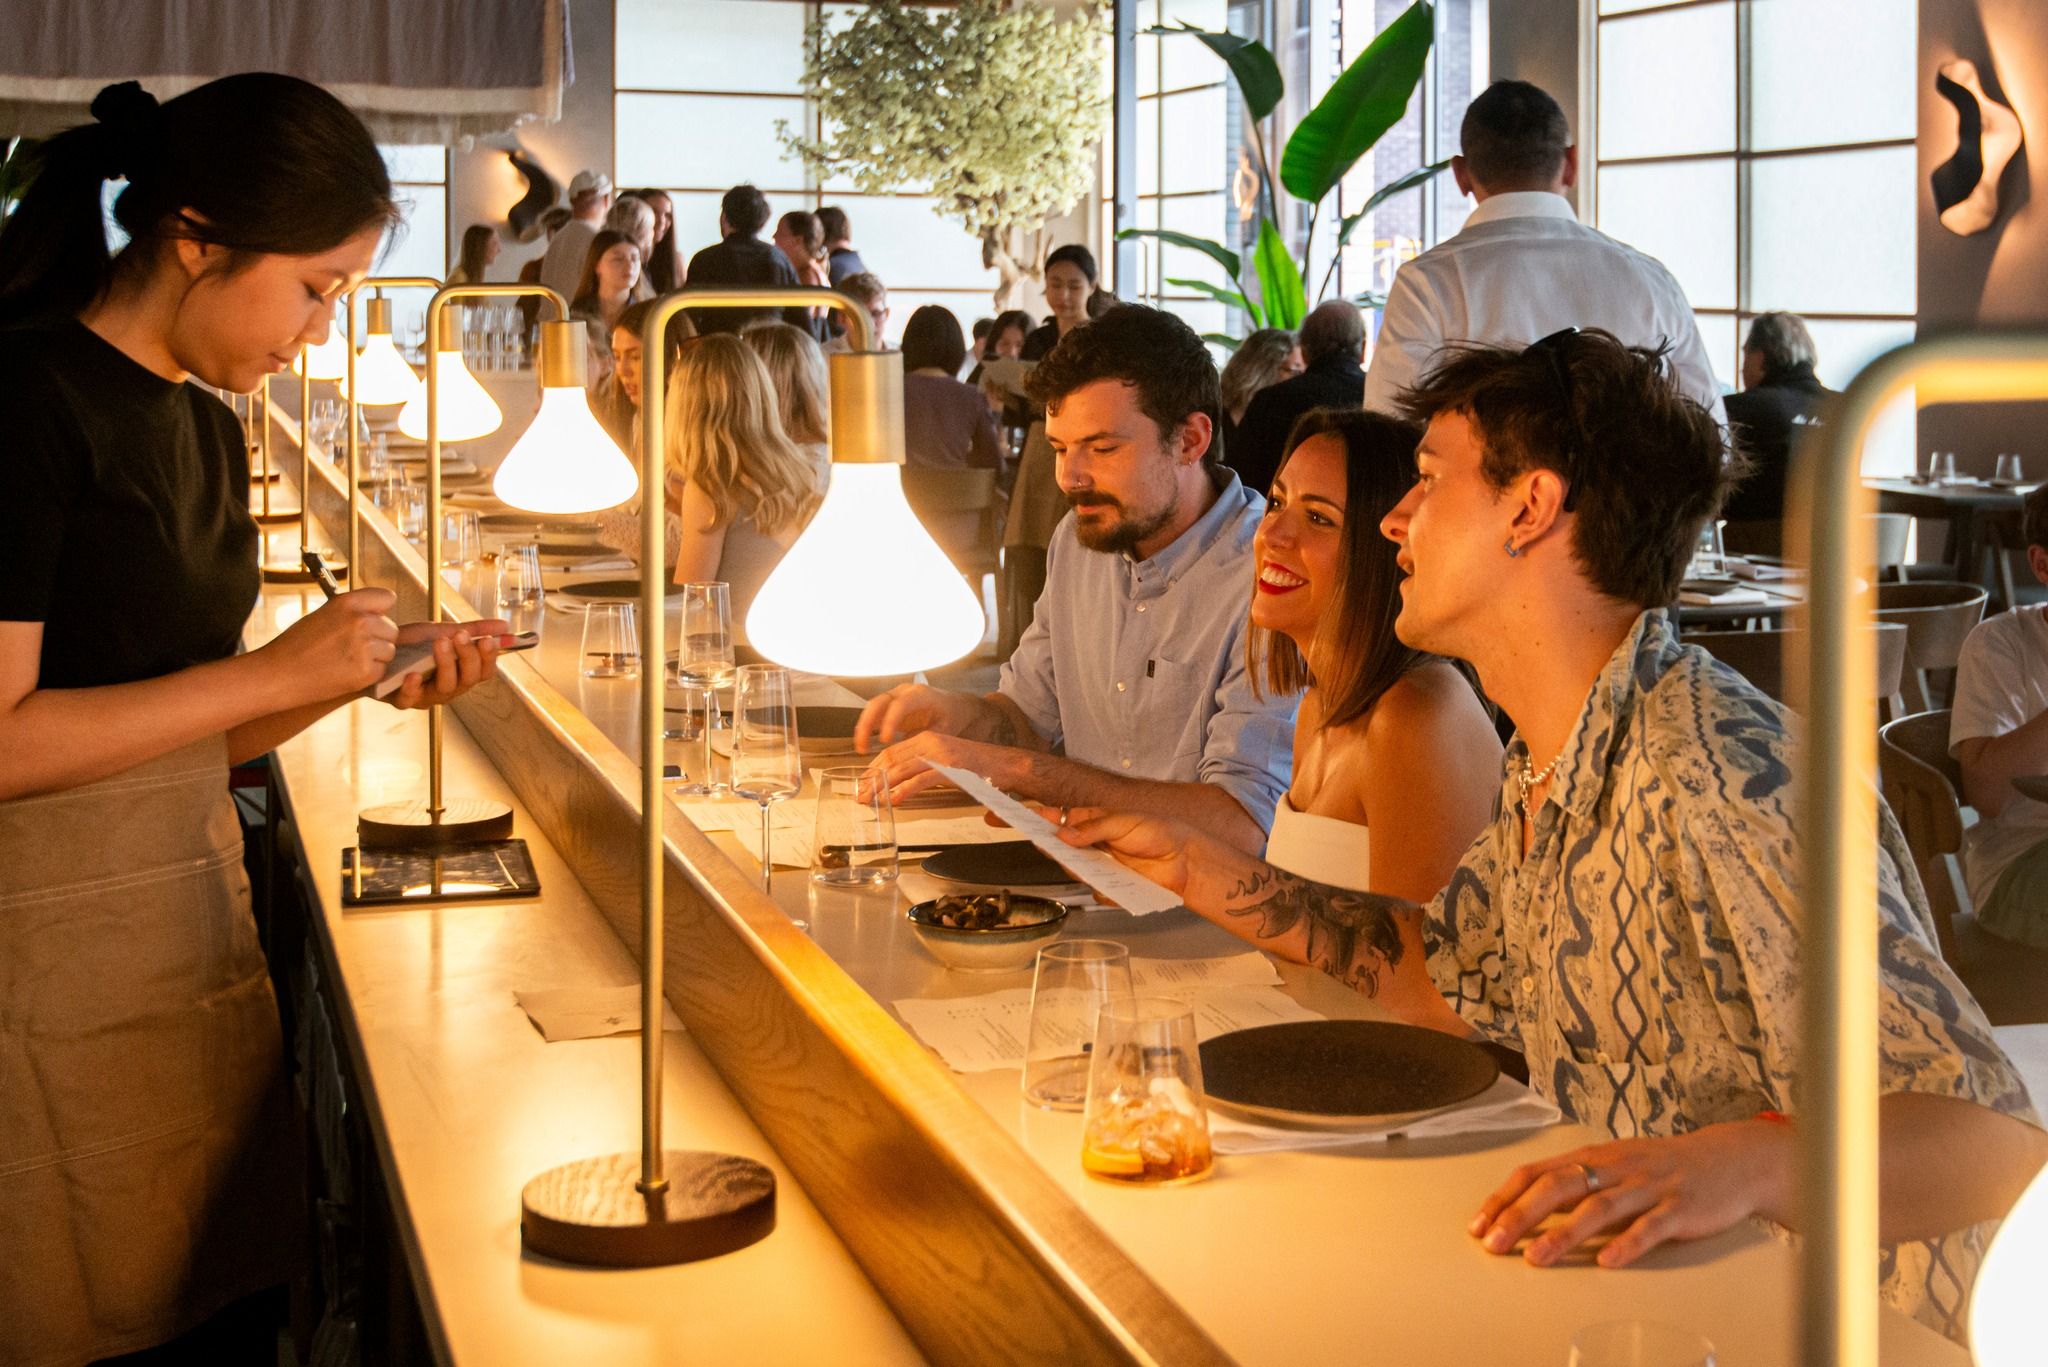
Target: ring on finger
1593,1182
1063,816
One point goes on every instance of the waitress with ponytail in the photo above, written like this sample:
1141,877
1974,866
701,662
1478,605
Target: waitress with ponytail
148,1195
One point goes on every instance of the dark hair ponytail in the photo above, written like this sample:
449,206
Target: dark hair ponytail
258,163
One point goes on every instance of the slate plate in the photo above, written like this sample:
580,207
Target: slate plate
1339,1074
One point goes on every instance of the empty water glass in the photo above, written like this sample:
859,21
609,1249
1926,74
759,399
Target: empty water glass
1148,1120
1709,558
2008,471
520,592
1072,982
461,538
611,642
856,836
1942,467
409,502
1639,1343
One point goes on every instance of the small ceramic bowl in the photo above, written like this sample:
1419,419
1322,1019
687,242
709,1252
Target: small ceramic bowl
1033,923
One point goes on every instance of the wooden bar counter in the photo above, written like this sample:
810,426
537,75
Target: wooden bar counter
921,1212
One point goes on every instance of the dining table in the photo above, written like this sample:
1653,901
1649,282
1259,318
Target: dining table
1981,516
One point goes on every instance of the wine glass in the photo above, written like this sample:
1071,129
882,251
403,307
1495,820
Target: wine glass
325,425
766,763
704,663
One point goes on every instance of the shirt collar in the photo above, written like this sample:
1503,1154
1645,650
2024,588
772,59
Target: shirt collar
1521,204
1642,658
1165,566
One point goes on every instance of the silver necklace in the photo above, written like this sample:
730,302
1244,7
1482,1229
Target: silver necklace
1528,779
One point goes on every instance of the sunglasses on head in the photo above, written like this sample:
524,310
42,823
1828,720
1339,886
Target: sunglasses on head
1551,348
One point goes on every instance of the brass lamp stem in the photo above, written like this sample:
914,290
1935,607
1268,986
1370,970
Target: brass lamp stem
1837,1108
654,655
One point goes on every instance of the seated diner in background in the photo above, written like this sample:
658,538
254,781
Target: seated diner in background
1631,919
1332,346
1131,686
1262,360
1396,763
610,273
615,397
1999,733
947,424
739,489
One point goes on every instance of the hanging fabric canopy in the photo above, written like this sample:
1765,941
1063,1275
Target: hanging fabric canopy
416,71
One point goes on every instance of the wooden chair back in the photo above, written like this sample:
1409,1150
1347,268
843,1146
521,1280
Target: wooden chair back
1759,656
1938,616
1921,783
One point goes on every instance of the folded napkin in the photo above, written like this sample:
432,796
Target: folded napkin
1725,598
561,1013
591,566
1506,1105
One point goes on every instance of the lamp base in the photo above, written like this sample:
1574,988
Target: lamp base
409,825
276,514
295,571
591,1212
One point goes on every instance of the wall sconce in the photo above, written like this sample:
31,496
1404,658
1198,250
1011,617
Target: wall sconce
1988,136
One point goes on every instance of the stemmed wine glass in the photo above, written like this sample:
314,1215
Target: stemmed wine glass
704,664
767,765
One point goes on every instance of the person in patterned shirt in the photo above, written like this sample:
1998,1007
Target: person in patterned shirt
1630,920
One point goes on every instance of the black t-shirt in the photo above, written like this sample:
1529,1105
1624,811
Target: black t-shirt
124,512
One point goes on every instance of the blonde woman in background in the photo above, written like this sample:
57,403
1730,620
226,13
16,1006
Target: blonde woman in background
1266,357
739,489
796,367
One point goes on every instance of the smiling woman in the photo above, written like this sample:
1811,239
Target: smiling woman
132,1211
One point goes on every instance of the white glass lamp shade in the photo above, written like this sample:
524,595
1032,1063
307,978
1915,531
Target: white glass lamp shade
328,361
565,462
2008,1316
467,409
382,376
865,590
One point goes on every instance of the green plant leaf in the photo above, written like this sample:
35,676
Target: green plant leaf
1223,296
18,168
1215,251
1258,75
1279,280
1222,339
1400,185
1367,100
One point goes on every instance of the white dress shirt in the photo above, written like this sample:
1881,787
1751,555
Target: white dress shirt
1521,268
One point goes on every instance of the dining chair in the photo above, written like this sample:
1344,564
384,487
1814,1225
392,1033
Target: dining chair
1938,616
1921,785
1759,657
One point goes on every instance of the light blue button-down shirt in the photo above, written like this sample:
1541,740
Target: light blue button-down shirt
1138,666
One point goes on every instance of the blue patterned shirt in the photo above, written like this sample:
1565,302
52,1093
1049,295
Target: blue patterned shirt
1644,956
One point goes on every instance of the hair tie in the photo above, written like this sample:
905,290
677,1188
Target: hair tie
129,115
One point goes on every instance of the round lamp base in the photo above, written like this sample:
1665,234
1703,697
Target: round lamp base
295,571
275,515
592,1212
410,826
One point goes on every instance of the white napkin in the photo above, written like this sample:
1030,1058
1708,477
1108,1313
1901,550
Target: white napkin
1726,598
561,1013
1506,1105
602,562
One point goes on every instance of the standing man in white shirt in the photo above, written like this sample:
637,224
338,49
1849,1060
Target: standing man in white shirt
590,199
1998,733
1523,266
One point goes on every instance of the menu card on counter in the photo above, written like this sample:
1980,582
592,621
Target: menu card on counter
977,1034
1134,892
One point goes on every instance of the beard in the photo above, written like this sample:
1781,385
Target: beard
1121,536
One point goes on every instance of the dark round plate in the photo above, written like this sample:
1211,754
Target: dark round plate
1008,863
826,723
613,591
1339,1073
528,522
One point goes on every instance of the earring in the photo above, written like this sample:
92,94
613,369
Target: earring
1512,549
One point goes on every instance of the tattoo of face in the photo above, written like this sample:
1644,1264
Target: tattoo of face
1352,936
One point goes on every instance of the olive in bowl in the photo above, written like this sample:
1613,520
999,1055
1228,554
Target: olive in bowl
987,932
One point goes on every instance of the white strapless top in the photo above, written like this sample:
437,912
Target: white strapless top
1320,847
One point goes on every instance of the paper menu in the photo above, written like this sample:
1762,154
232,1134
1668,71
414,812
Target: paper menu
980,1034
1134,892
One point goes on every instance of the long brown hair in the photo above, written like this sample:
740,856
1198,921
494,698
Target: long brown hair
726,437
1356,655
586,286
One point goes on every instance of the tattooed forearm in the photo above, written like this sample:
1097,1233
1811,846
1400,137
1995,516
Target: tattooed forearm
1354,937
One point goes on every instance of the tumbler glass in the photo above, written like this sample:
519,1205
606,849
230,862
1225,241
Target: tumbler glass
1073,981
1639,1343
1148,1120
856,835
520,591
611,642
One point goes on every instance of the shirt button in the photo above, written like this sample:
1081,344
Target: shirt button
1528,984
1119,685
1602,1058
1141,607
1127,764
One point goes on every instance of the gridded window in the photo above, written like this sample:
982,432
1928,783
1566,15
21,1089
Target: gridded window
418,244
1764,152
702,85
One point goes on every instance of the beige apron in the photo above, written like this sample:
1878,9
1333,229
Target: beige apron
147,1173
